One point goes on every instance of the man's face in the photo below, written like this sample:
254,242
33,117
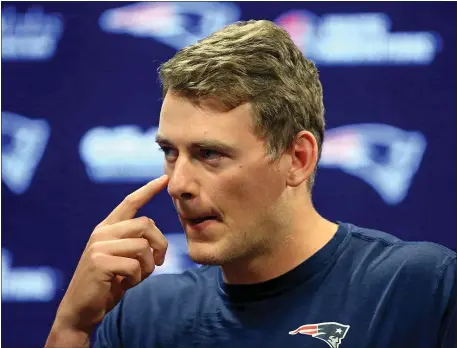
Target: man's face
226,191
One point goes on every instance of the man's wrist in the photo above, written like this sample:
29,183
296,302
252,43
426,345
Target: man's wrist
67,338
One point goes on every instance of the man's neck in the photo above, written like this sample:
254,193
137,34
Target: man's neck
304,241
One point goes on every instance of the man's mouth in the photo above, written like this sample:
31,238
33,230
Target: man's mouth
199,220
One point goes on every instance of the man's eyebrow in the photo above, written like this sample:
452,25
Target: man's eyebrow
212,144
160,139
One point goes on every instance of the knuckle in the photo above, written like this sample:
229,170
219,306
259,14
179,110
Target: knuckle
144,244
94,236
100,225
96,258
97,232
144,221
94,247
131,200
148,263
135,266
150,269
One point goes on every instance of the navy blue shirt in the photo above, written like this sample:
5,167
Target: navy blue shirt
365,288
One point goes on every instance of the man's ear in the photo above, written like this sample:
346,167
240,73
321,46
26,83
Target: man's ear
303,152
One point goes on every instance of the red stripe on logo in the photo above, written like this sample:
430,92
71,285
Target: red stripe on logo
305,330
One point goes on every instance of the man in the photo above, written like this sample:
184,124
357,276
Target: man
241,127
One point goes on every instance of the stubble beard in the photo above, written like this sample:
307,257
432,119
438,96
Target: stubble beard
241,247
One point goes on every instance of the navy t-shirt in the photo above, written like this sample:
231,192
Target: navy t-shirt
365,288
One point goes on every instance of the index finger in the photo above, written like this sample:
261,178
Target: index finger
134,201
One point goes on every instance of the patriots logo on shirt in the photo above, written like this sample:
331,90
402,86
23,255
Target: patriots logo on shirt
330,333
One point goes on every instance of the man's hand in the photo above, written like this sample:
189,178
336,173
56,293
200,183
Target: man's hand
122,251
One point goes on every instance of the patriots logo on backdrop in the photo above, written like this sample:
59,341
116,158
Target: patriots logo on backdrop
385,157
331,333
24,141
176,24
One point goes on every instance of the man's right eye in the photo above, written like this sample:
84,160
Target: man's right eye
168,151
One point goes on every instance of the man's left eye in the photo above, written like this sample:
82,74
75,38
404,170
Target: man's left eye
209,154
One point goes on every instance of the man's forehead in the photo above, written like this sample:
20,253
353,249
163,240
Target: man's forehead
183,123
196,124
173,104
186,132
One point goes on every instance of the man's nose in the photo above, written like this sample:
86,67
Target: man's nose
182,184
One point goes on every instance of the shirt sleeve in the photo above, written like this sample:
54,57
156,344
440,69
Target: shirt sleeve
108,332
448,330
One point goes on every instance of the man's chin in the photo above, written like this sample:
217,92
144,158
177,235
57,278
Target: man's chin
206,260
206,254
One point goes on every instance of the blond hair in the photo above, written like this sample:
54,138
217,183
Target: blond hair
255,62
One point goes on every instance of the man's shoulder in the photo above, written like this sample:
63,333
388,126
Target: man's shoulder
388,240
385,251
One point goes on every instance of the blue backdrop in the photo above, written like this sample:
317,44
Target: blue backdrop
80,106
